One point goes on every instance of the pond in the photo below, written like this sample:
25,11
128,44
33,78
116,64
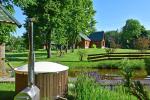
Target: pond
108,73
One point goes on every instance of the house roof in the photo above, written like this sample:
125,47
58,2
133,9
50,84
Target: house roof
6,17
97,36
84,37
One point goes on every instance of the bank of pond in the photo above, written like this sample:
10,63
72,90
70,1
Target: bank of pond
108,73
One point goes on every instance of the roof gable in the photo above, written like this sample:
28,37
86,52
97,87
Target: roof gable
84,37
97,36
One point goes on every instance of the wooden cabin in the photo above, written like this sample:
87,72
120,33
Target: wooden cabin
97,38
85,41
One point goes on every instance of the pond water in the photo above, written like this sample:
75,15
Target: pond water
108,73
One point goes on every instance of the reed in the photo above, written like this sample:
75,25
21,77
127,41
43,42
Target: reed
86,88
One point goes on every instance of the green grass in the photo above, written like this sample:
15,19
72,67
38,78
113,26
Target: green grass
72,59
69,59
7,91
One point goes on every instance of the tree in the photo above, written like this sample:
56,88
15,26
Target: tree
148,34
142,44
48,20
130,32
15,43
61,19
144,33
81,15
5,30
113,38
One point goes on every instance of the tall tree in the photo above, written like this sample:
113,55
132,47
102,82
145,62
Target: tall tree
144,33
131,31
112,36
81,14
64,17
47,19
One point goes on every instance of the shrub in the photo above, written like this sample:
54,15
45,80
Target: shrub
127,72
81,54
109,50
94,46
133,87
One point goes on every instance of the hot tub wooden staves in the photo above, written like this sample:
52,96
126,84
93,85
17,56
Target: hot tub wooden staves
50,78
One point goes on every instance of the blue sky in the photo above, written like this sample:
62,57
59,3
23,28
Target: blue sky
21,18
111,14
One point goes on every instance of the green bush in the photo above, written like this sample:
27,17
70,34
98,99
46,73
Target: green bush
133,87
127,72
81,53
109,50
94,46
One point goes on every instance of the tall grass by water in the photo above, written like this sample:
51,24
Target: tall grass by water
87,89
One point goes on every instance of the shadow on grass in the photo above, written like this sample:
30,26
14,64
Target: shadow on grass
17,55
73,61
16,59
7,95
20,55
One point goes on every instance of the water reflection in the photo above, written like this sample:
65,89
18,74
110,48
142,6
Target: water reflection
108,73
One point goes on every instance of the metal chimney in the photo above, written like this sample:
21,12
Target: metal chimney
31,92
31,55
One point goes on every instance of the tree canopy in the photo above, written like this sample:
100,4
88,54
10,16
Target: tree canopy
130,32
112,36
61,21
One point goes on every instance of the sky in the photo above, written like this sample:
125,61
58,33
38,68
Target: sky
110,14
21,18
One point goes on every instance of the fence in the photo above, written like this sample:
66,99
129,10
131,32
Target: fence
116,56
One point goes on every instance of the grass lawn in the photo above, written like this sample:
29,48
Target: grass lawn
7,91
72,59
69,59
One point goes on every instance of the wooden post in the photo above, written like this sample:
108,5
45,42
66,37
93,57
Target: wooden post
2,60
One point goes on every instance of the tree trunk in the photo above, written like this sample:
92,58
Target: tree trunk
66,48
72,50
2,60
49,45
73,47
49,49
60,54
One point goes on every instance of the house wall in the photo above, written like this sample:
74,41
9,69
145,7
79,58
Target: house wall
84,44
99,44
87,44
103,43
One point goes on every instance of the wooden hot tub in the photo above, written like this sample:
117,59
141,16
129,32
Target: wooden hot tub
51,78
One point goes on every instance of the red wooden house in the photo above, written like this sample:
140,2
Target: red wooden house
85,41
97,38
